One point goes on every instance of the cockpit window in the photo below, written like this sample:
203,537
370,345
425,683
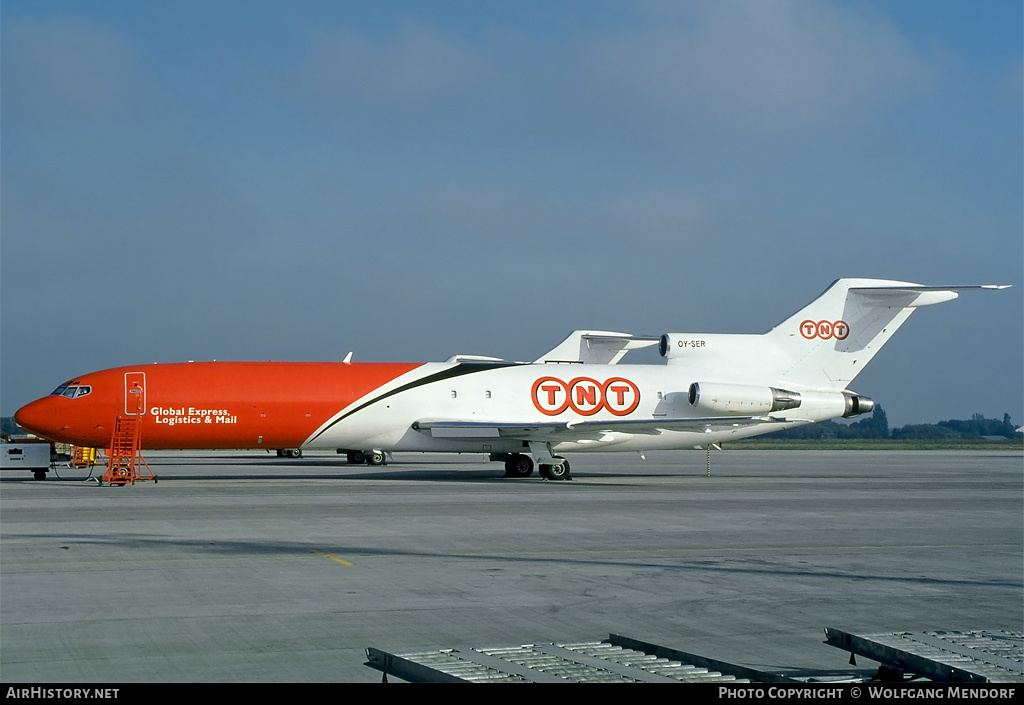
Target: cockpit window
71,391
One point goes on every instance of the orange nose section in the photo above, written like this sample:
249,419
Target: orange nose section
39,417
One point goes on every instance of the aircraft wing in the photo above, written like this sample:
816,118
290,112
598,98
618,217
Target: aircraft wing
556,431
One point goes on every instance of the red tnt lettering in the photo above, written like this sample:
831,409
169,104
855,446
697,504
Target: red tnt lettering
588,398
545,396
616,395
620,394
585,395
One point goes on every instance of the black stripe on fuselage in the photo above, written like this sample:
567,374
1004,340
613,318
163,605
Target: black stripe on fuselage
462,368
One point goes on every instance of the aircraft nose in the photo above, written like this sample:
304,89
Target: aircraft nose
38,417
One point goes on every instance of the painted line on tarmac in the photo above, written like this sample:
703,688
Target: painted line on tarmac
333,558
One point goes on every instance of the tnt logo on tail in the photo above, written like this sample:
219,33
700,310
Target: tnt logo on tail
824,329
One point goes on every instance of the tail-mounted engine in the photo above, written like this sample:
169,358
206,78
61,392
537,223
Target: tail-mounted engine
715,399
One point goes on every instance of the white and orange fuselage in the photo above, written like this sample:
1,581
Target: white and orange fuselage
713,387
441,407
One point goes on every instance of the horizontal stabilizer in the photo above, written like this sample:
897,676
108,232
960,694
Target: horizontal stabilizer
914,295
918,287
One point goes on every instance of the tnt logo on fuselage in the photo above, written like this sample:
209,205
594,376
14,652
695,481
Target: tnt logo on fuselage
585,396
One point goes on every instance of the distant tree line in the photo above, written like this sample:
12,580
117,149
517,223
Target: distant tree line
878,427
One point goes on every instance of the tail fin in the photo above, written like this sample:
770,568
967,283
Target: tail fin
828,342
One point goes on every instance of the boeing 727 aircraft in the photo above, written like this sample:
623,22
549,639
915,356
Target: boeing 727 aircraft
576,398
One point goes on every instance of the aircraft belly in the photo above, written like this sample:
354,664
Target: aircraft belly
365,436
665,440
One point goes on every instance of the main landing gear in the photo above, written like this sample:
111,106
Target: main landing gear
519,465
370,457
558,471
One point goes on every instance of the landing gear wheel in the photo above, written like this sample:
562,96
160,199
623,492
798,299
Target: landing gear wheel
518,465
555,472
294,453
355,457
375,457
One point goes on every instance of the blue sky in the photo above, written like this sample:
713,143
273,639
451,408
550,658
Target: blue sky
409,180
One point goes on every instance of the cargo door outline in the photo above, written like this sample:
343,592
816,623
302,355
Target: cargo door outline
134,393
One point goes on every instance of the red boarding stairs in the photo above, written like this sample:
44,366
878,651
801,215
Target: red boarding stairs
126,463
